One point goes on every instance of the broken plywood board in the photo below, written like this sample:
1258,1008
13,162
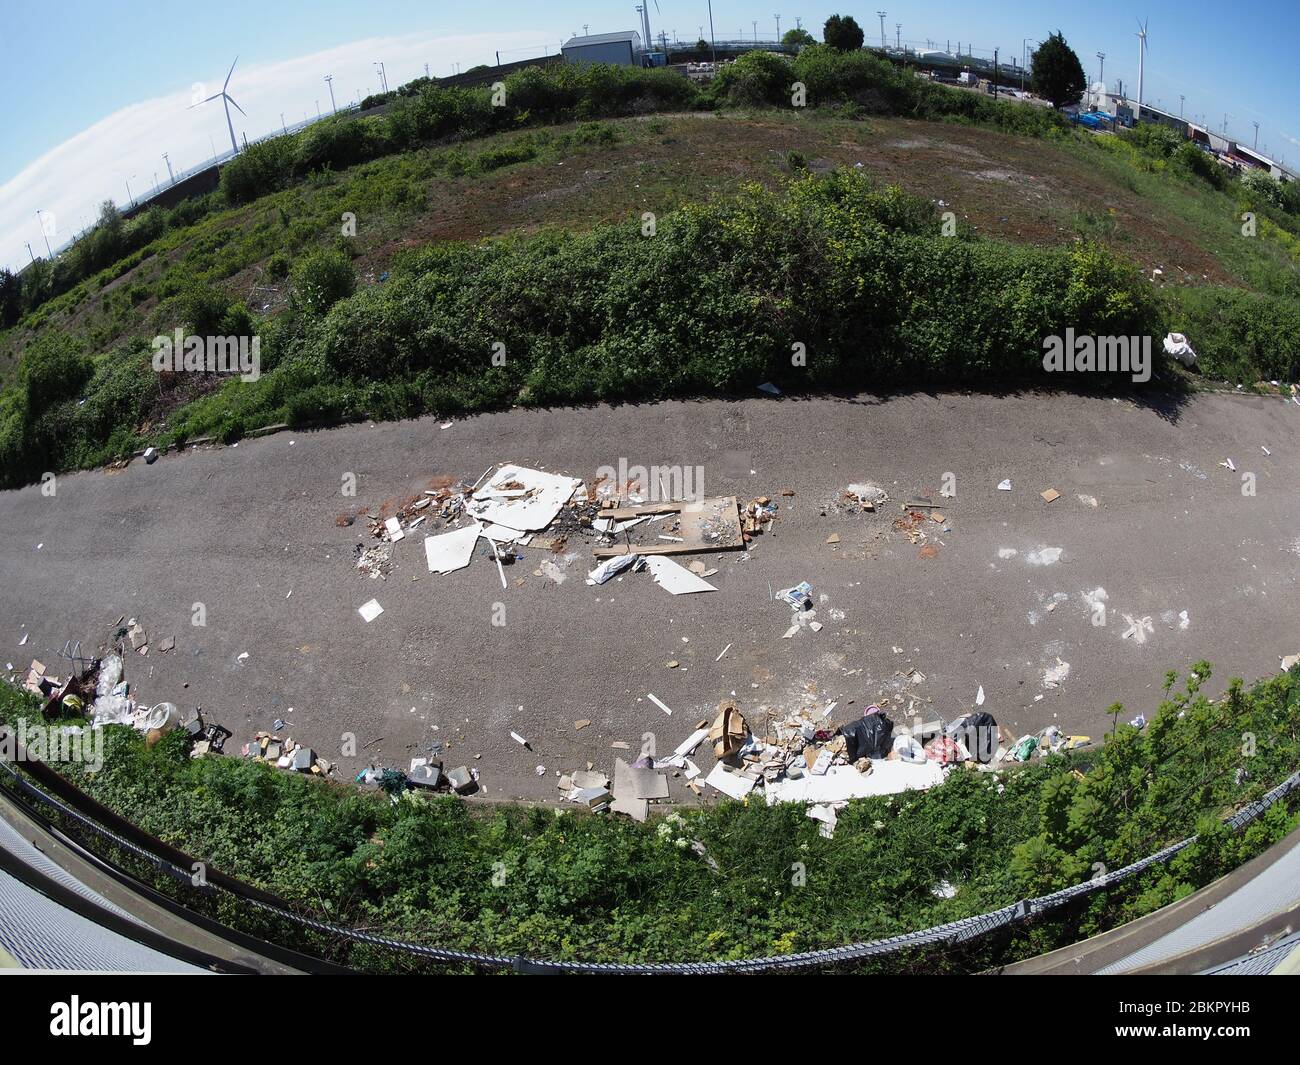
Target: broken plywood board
633,783
521,498
708,525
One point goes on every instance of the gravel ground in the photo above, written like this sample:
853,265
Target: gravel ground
1146,512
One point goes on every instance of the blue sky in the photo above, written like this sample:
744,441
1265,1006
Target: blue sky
95,91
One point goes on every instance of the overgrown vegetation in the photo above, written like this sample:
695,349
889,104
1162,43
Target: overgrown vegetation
338,342
424,113
861,276
724,882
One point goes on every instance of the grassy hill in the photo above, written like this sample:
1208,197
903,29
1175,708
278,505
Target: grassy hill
1126,234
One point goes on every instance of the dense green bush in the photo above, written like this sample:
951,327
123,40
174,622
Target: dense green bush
339,143
259,169
877,86
718,296
53,368
1263,187
756,79
1238,335
321,279
205,310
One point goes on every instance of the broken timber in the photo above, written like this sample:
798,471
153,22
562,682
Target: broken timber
708,525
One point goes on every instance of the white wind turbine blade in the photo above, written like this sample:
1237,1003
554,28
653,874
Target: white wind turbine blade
226,84
236,106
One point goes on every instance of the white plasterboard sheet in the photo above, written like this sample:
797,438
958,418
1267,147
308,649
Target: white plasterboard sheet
543,496
731,784
674,578
609,525
503,535
843,782
451,551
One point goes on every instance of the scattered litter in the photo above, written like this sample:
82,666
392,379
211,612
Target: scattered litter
724,651
1043,556
1177,346
1050,496
728,732
375,561
394,527
866,496
612,565
1054,676
1004,485
369,611
655,699
769,388
1138,628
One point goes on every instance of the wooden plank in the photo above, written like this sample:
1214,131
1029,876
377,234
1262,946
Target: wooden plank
694,518
664,549
624,513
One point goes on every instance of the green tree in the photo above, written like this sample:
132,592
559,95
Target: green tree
701,45
1057,73
842,33
11,298
797,38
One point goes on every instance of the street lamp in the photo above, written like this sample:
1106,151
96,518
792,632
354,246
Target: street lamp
40,217
329,80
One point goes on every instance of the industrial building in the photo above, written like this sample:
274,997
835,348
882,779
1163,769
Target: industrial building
622,48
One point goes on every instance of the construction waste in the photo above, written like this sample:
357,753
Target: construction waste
804,757
513,508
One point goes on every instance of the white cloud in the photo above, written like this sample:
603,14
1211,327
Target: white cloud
72,179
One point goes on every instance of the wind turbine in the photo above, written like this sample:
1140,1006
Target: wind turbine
1142,53
225,98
